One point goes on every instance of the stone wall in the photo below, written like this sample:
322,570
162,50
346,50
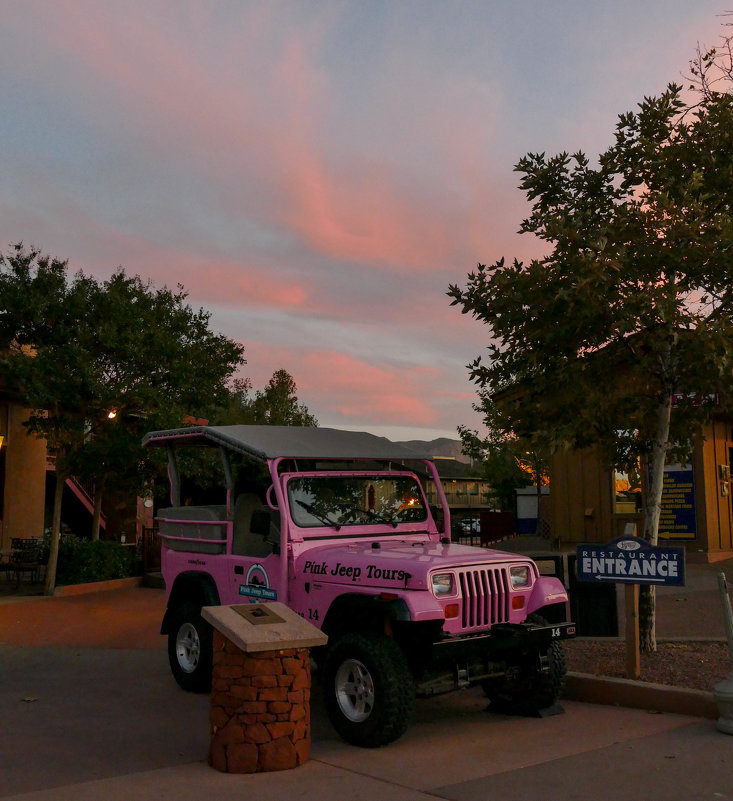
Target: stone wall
260,708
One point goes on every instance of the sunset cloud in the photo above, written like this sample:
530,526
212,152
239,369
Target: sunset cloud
316,174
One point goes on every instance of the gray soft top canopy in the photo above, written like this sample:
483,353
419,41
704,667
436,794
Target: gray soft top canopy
295,442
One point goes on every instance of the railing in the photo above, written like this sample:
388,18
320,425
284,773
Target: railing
83,490
173,533
474,500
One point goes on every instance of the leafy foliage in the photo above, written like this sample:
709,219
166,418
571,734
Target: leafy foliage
632,304
81,561
41,353
507,461
276,405
631,311
75,350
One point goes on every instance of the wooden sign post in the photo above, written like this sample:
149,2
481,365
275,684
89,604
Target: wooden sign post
633,655
631,561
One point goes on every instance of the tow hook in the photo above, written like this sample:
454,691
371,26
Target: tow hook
462,678
544,660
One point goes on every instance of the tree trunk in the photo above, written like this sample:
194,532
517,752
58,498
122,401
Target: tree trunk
53,554
647,596
97,513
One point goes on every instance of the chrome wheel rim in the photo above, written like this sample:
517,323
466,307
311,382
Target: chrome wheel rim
354,690
188,648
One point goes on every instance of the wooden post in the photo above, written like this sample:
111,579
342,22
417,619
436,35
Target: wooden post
633,656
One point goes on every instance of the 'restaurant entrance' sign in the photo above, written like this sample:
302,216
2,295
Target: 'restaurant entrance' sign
633,561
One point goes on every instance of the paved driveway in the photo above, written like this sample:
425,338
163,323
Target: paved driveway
89,711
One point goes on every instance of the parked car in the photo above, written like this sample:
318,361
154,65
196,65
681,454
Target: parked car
345,537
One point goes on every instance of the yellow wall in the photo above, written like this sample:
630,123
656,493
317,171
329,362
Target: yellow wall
715,517
25,476
581,500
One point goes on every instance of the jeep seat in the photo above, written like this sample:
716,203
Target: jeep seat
244,541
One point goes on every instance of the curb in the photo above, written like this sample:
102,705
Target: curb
97,586
640,695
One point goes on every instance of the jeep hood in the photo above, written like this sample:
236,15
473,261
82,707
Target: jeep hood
391,564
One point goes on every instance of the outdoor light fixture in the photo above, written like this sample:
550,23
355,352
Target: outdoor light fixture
112,414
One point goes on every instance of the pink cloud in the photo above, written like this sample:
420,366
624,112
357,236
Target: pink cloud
208,280
240,121
338,385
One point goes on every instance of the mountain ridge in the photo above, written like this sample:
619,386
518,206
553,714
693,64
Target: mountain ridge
442,446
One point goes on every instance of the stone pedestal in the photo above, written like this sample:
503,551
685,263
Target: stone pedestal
260,690
260,709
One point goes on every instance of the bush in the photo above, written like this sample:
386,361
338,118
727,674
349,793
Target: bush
82,561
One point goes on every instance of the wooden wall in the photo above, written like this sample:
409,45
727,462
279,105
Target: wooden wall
581,499
24,488
715,519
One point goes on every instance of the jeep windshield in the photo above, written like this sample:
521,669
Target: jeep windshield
339,501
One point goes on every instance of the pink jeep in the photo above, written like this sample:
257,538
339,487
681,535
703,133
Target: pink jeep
340,530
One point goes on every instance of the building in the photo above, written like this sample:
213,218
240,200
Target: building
590,503
22,474
27,481
467,493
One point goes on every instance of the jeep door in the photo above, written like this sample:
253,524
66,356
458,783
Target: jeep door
254,561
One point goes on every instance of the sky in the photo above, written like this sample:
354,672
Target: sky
316,174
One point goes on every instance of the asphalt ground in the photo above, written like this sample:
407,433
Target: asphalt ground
89,710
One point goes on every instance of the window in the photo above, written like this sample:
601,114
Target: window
355,500
626,492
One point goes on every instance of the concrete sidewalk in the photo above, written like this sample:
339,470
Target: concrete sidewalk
90,711
107,723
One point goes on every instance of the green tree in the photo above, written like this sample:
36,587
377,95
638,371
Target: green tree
155,362
631,308
236,407
507,461
42,359
99,364
278,405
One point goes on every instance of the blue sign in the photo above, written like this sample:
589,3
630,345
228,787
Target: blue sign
630,560
255,591
678,520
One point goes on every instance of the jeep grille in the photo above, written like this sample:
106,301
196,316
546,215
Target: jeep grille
485,593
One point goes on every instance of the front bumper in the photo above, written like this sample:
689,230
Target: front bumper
501,638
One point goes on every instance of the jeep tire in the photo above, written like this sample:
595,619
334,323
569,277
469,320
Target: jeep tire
531,688
369,690
190,648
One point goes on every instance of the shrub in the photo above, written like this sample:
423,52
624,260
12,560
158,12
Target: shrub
81,561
